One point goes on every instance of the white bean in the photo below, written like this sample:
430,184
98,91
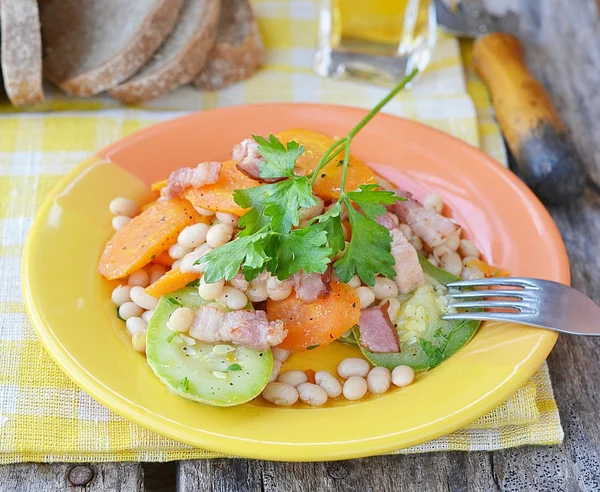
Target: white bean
138,341
354,282
281,354
129,310
124,206
193,235
140,278
379,380
433,260
402,376
147,315
135,325
365,295
188,262
293,378
353,366
393,307
181,320
355,388
120,221
280,394
275,371
308,213
233,298
329,383
155,272
177,251
453,242
209,292
176,264
218,235
226,218
433,202
406,230
205,212
471,273
142,298
451,262
467,248
121,294
278,290
384,288
257,291
416,243
311,394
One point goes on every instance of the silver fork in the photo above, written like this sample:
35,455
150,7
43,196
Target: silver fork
531,301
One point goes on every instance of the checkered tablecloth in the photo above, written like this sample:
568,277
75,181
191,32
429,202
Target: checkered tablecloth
43,415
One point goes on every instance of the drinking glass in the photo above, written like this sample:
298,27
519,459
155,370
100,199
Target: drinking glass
379,41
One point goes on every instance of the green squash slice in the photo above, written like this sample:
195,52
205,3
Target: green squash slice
227,376
425,339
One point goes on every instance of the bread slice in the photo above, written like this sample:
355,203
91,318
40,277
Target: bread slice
21,51
91,45
238,52
179,59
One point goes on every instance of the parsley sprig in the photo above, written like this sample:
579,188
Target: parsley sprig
269,236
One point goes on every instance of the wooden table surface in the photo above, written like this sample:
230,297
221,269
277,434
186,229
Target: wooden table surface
562,39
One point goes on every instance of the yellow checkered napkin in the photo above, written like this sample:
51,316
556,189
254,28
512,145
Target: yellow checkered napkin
43,415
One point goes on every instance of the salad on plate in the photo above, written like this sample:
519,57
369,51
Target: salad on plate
291,245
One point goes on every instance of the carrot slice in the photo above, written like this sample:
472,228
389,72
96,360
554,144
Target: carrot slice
318,323
328,184
218,196
486,269
170,282
146,236
164,259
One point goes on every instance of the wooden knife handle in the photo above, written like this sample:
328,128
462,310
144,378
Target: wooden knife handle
534,131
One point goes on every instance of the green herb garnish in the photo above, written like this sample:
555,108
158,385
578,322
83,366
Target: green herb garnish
269,238
185,384
172,301
171,336
312,347
118,315
234,367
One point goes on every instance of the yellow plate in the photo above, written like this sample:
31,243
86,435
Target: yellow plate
69,303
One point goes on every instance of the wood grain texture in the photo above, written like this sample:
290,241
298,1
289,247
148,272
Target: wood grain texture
563,50
32,477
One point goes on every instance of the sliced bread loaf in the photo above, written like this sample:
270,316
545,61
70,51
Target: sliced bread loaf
91,45
179,59
21,51
238,52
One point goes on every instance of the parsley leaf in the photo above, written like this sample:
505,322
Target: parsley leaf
226,261
331,223
301,249
233,367
371,199
369,251
172,301
279,160
275,205
171,337
185,384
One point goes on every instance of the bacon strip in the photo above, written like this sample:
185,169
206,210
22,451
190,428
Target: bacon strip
409,273
312,286
434,229
187,177
387,221
246,328
247,153
377,332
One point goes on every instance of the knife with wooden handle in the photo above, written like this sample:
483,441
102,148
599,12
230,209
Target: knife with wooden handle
535,134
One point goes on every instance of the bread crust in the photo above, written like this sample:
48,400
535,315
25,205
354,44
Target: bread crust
157,25
183,65
21,51
231,61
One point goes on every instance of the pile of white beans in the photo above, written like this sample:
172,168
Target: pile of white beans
358,378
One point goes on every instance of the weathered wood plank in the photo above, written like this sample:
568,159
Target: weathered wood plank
31,477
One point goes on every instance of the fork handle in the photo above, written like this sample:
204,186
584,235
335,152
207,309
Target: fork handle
534,131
